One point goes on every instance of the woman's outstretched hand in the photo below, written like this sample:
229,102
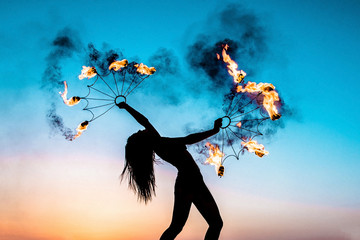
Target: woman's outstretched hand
121,105
217,124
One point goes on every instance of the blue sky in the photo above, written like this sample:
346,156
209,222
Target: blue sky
313,60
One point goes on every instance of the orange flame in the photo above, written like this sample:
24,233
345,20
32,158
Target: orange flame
215,157
253,146
143,69
232,66
72,101
270,96
117,65
87,72
238,124
81,128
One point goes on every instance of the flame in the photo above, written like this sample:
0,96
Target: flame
117,65
232,66
143,69
70,102
82,127
215,157
253,146
269,93
87,72
238,124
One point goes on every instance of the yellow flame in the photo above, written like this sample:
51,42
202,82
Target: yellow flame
81,128
269,93
143,69
70,102
117,65
232,66
215,157
253,146
87,72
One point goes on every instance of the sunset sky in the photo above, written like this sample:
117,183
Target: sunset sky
307,188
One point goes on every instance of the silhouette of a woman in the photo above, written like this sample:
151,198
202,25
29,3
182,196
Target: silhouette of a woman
189,187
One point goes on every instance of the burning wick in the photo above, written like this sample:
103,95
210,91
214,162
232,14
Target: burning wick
72,101
232,66
143,69
253,146
87,72
117,65
269,93
215,157
81,128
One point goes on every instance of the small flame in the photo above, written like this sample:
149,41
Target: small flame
270,96
232,66
117,65
253,146
215,157
238,124
72,101
87,72
143,69
81,128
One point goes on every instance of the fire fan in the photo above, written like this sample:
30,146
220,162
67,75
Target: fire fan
109,89
249,106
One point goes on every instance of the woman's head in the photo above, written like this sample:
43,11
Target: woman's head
139,164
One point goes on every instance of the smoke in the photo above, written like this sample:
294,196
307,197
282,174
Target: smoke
65,44
166,77
246,37
165,62
57,125
102,59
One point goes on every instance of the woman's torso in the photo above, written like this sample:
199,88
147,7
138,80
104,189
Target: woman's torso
176,154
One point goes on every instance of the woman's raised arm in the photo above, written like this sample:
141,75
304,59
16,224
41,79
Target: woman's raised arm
197,137
141,119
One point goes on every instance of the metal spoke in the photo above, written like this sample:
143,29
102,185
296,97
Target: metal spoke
99,106
101,92
103,112
108,85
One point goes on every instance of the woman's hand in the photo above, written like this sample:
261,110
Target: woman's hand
217,124
121,105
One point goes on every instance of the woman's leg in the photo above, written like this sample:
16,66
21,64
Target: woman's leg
205,203
182,204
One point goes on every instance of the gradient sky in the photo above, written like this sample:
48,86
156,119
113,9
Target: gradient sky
307,188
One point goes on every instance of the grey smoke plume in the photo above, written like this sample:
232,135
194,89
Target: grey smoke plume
65,44
62,47
57,125
242,31
165,62
101,59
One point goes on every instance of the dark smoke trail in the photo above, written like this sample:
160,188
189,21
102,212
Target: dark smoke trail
165,62
102,59
56,124
66,43
63,46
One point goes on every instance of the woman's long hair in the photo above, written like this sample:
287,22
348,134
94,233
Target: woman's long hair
139,165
